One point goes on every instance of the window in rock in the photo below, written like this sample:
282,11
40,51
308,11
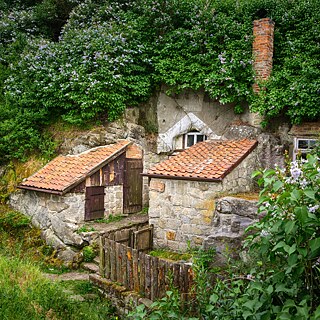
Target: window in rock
193,137
302,146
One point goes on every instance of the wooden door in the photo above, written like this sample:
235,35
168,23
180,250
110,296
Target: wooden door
94,204
132,186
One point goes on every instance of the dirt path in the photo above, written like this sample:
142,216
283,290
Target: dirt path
68,276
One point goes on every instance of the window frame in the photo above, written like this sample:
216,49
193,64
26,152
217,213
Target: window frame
297,150
195,134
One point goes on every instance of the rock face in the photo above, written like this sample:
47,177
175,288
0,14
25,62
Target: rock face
270,148
231,217
56,215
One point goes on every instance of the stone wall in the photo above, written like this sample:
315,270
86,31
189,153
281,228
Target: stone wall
113,200
183,211
56,215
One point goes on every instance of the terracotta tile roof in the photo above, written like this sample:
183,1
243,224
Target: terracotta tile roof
208,160
65,172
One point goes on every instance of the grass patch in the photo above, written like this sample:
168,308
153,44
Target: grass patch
86,228
111,218
80,287
26,294
19,239
170,255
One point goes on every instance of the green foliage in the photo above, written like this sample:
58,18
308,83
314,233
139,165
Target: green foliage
26,294
13,220
110,218
86,60
85,228
89,253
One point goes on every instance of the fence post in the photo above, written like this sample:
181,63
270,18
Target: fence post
102,264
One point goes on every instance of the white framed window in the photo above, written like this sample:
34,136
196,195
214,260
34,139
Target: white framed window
193,137
302,146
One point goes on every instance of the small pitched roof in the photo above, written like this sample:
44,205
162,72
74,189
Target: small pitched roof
65,172
208,160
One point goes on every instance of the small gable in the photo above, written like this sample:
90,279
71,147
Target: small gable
65,172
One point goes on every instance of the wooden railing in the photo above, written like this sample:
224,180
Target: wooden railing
140,272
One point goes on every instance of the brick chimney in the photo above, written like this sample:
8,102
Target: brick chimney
263,32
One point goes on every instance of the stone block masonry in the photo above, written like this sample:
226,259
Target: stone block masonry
113,200
185,211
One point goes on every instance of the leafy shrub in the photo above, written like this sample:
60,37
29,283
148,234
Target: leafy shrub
89,253
113,54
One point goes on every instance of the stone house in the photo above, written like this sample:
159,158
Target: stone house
185,187
75,188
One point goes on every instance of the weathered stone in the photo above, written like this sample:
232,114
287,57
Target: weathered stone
67,255
57,206
156,185
52,240
241,207
66,232
171,235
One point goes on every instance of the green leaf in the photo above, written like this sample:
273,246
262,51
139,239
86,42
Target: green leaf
270,289
289,226
292,249
279,245
314,247
310,194
214,298
301,213
295,195
316,314
256,174
277,185
269,172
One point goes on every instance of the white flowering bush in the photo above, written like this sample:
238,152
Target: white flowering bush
288,241
88,60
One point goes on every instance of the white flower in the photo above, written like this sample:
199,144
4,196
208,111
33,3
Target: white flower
313,209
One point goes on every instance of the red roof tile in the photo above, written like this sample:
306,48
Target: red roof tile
65,172
208,160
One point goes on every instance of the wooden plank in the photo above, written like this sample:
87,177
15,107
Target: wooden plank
182,282
135,271
161,278
113,261
147,276
142,273
94,203
118,264
176,274
132,186
107,258
142,239
154,292
102,263
129,269
124,265
169,275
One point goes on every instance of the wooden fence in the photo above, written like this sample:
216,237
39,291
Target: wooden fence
140,272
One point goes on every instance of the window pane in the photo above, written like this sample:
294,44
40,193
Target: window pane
312,143
190,140
303,144
200,137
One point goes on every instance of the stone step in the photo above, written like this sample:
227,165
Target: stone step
91,267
